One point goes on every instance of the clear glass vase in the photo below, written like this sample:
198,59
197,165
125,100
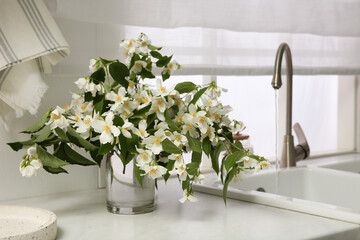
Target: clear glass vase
124,193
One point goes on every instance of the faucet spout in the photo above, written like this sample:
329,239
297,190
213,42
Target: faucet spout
290,153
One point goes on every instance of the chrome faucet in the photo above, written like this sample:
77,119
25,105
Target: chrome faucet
291,153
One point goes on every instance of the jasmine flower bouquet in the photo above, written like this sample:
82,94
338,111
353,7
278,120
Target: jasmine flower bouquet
117,113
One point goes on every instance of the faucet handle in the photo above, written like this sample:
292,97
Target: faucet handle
302,149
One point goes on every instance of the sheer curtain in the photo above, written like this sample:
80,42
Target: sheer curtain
226,37
232,37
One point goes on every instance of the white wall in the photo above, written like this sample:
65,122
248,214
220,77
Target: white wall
12,184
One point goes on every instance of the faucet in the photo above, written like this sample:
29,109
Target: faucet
290,153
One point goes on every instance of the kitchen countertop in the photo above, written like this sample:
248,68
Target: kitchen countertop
83,215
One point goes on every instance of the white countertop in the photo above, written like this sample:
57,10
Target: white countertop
83,215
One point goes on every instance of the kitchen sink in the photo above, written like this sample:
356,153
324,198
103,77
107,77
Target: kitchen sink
348,163
318,191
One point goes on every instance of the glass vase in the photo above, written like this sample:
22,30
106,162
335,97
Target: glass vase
124,193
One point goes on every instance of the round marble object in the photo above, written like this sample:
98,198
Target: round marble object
22,223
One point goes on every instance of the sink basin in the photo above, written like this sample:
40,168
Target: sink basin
318,191
348,163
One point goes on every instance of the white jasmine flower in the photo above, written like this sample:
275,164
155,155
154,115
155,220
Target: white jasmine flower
126,128
160,125
118,98
191,129
181,171
31,151
131,88
106,128
144,42
94,65
249,162
29,169
162,90
154,142
82,83
171,67
154,171
237,127
84,126
31,163
138,66
83,106
179,140
193,116
199,178
129,47
210,132
94,88
187,197
262,166
208,102
143,99
159,104
141,131
76,118
57,120
144,157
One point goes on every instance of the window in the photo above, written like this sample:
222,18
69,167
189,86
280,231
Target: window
323,105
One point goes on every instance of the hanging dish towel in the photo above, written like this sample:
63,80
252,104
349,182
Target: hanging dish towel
30,43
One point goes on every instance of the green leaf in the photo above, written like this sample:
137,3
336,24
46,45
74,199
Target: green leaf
198,95
238,145
185,87
105,148
142,111
131,143
75,138
100,106
169,167
150,119
192,168
196,157
75,158
232,158
98,76
146,74
105,62
165,75
138,174
16,146
206,146
127,159
119,72
48,159
194,143
97,158
39,124
170,147
163,61
44,135
228,179
118,121
134,58
62,135
153,48
170,122
215,157
156,54
54,170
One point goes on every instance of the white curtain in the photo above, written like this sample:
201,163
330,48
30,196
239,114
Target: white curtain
220,37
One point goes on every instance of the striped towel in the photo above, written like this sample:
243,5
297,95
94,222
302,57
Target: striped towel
30,43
